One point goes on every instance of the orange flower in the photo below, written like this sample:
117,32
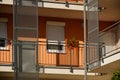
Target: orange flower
72,43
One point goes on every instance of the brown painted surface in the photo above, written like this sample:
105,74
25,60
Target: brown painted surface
73,28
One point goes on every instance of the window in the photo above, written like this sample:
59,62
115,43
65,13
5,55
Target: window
55,37
3,35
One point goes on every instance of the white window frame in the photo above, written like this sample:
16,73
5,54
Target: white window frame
54,42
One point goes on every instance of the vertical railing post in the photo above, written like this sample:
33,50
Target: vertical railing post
71,68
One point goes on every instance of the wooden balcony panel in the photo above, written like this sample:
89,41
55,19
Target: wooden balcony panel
46,58
6,55
60,59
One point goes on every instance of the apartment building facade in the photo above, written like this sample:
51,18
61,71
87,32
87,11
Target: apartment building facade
58,22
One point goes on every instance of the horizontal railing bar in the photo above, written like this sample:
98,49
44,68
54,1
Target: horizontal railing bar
112,51
105,57
34,42
109,27
111,55
60,67
9,64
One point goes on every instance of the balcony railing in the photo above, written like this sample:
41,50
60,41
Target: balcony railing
48,55
110,37
109,45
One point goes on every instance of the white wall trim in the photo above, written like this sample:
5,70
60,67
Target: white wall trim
6,69
51,71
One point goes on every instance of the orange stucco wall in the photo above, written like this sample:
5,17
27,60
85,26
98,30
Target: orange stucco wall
73,28
9,24
104,24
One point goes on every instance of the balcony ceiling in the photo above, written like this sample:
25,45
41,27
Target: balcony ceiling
110,13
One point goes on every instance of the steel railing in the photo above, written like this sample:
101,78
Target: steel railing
110,37
108,45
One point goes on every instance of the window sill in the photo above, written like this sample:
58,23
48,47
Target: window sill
4,49
56,51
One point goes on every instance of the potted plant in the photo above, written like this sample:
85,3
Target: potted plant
116,75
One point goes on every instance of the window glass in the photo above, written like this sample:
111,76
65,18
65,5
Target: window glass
3,35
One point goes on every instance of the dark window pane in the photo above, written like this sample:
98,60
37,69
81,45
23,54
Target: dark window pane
2,42
54,47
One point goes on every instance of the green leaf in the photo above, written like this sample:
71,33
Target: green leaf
116,75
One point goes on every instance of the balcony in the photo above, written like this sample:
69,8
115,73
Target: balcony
109,50
47,58
55,4
52,63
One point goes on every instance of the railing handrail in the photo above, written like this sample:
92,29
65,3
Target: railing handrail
106,31
109,28
40,42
